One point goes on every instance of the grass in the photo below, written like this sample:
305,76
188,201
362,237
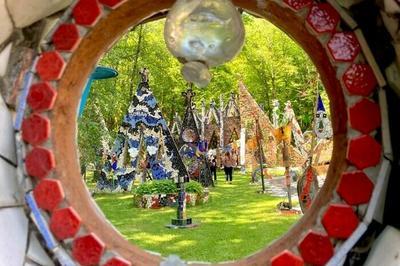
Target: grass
235,223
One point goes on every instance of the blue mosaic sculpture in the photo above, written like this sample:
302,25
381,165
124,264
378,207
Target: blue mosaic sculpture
145,138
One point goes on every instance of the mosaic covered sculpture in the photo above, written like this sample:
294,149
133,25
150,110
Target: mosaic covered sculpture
192,147
217,126
144,148
230,125
275,114
322,124
298,137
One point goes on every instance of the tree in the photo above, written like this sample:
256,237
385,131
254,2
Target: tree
271,65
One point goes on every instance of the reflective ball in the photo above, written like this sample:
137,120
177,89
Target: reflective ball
196,73
206,31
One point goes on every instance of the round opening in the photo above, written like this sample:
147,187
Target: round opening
327,49
109,143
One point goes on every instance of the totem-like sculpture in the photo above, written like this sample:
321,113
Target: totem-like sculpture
192,149
275,115
298,136
322,124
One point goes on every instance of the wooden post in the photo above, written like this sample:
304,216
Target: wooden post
286,163
286,138
260,154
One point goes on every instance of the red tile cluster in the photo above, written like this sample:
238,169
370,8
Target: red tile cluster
359,79
65,223
48,194
364,152
340,221
39,162
323,18
316,248
365,116
88,249
66,37
355,188
41,97
87,12
50,66
35,129
344,46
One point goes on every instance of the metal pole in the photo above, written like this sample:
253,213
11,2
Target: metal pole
181,211
260,153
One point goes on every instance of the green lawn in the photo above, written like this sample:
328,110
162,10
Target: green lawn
235,223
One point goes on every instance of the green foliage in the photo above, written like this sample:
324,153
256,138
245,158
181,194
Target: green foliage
167,187
271,65
156,187
194,187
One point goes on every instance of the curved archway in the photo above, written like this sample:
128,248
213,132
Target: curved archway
290,16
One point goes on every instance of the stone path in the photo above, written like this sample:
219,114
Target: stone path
277,186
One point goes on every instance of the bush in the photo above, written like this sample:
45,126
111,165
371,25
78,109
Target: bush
167,187
164,187
194,187
156,187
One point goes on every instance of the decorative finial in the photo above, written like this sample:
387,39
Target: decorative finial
189,95
144,75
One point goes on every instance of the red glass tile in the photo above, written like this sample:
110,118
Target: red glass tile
48,194
35,129
355,188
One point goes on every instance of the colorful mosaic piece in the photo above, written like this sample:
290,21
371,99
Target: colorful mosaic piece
144,148
290,117
322,124
192,149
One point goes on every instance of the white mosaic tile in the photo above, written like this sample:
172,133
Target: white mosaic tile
14,234
5,22
8,185
34,10
36,252
4,57
7,139
386,249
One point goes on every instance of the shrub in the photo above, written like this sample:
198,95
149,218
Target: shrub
167,187
194,187
164,187
156,187
143,189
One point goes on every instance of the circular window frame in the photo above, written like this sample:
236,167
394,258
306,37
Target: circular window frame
98,35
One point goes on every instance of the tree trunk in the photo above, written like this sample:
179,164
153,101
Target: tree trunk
135,59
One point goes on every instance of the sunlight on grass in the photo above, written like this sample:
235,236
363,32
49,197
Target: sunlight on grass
235,223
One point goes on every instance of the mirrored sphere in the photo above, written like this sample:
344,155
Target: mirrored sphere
209,31
196,73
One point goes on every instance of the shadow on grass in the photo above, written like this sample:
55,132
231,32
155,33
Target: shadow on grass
235,223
